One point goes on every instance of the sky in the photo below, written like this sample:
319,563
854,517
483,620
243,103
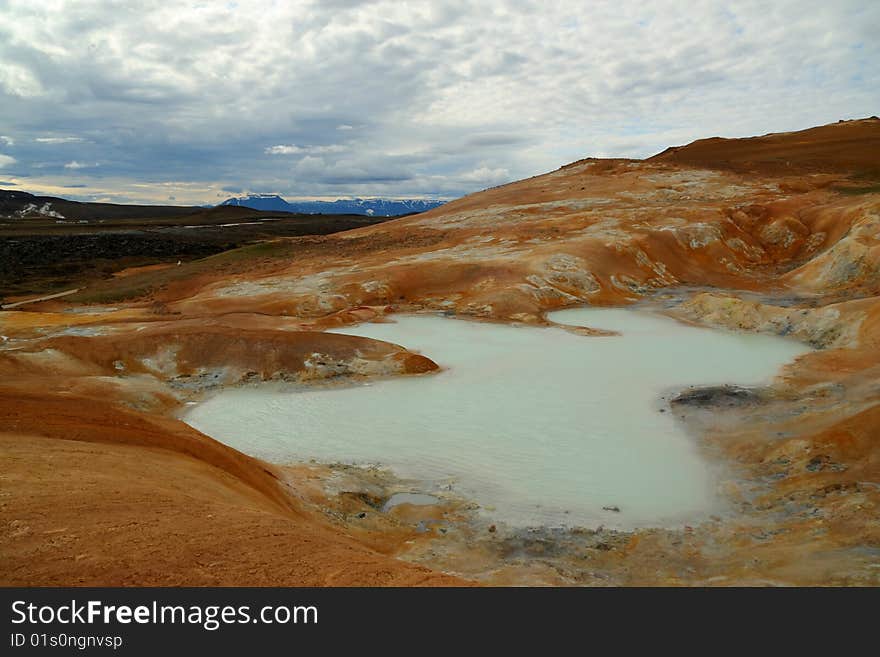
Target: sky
194,102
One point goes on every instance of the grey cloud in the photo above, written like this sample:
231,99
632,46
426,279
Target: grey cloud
348,172
406,98
494,139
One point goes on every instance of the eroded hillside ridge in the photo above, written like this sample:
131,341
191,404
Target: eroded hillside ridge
777,234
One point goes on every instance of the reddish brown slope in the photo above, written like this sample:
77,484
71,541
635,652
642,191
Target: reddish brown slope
82,513
846,147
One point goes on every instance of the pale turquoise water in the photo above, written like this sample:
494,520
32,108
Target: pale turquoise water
538,425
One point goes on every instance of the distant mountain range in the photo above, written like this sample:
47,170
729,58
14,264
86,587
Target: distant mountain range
378,207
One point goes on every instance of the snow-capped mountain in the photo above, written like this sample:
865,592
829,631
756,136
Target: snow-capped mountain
378,207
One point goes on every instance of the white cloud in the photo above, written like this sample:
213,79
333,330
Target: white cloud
6,160
282,149
290,149
345,126
9,141
487,176
57,140
79,165
19,81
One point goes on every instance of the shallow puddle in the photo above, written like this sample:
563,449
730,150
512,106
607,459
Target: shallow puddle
416,499
540,426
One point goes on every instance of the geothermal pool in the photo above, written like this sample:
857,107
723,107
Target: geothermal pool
537,425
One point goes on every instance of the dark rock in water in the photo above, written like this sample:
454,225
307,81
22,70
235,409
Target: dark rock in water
715,396
616,509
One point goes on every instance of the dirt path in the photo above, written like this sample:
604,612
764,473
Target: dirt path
9,306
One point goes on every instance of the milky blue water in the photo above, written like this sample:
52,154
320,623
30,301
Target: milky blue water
537,425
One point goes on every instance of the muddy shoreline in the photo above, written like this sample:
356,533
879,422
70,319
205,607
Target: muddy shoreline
455,536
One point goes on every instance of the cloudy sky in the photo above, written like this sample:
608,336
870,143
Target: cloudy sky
192,102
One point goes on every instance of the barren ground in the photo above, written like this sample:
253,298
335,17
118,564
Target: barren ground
778,234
